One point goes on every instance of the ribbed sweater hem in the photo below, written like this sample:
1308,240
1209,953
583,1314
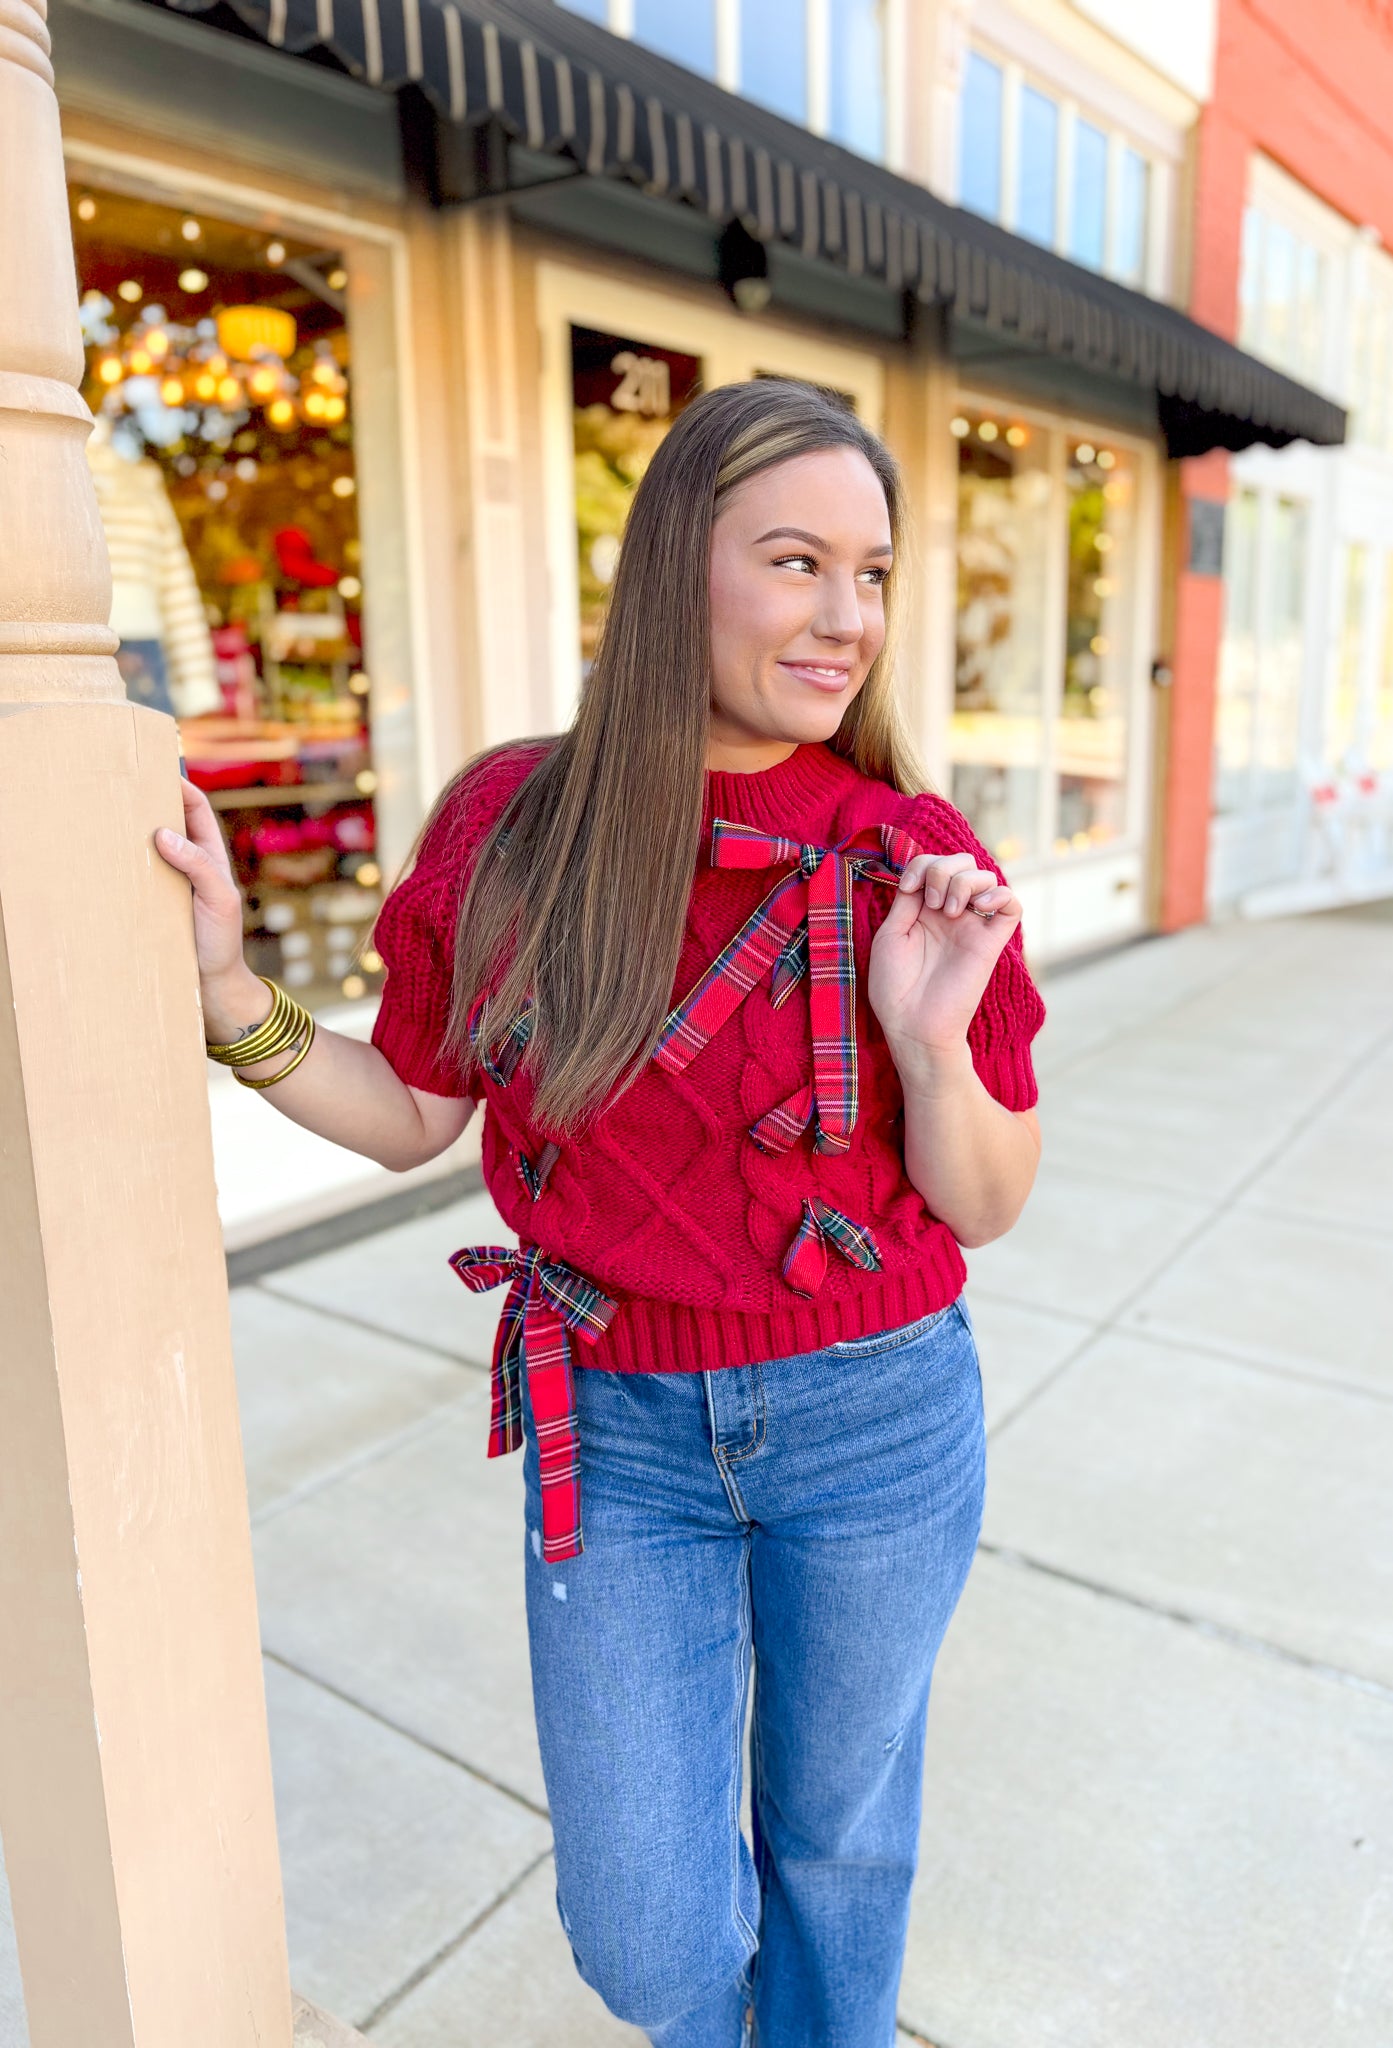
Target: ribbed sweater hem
660,1336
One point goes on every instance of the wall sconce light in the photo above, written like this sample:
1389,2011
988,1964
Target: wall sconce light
743,268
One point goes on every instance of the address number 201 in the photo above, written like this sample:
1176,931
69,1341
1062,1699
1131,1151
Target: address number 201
644,385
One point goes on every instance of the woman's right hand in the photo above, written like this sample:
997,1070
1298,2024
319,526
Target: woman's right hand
229,988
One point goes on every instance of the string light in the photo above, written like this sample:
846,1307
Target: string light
365,782
1017,437
349,586
988,430
190,230
960,428
354,986
337,280
193,280
130,290
369,874
343,487
275,252
87,207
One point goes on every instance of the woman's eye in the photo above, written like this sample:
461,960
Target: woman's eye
875,576
796,562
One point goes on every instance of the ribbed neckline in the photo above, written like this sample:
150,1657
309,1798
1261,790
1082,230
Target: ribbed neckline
774,798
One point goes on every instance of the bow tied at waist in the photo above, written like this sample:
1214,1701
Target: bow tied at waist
804,925
822,1227
547,1303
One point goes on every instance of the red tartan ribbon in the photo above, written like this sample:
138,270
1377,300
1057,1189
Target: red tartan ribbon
803,925
548,1301
805,1261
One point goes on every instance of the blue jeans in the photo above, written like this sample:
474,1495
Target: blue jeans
821,1512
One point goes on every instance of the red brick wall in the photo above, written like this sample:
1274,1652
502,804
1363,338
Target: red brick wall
1308,83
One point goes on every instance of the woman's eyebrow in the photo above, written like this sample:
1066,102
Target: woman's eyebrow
815,540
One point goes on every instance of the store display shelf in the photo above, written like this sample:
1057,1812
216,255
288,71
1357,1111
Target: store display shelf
262,795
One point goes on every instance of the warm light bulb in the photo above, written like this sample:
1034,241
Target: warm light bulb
129,289
315,402
193,280
172,391
369,874
157,341
349,586
262,383
334,410
343,487
353,986
86,207
281,413
275,252
1016,437
229,391
1106,458
1085,452
142,362
109,370
206,386
372,962
365,782
337,280
323,373
190,230
960,428
989,430
359,684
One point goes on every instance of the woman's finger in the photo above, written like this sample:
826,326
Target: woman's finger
201,822
930,873
996,902
210,878
968,883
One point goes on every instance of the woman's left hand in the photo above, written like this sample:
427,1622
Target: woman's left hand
933,956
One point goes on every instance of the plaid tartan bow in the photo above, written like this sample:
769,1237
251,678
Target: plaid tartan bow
804,925
805,1261
547,1302
499,1061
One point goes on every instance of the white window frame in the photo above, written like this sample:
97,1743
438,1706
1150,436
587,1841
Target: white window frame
1157,267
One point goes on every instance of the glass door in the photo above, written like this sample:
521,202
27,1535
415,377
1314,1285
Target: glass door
1046,743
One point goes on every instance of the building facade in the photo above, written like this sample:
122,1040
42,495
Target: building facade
386,341
1294,212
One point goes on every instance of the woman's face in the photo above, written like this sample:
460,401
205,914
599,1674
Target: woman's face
799,558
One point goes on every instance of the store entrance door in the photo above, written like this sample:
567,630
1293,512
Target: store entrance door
1049,744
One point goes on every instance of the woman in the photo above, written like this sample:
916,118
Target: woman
750,1018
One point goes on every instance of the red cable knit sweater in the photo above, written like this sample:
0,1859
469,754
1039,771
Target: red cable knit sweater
665,1203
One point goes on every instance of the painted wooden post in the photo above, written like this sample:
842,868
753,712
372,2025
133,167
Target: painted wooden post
135,1786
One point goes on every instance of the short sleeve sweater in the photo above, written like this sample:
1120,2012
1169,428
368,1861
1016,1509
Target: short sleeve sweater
663,1201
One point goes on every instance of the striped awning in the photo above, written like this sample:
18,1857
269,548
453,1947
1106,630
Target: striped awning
562,87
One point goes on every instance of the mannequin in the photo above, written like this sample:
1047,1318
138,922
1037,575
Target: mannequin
166,652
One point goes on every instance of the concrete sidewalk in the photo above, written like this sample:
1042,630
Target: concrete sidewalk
1160,1767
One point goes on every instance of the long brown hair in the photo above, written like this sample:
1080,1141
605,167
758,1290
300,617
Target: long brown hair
579,895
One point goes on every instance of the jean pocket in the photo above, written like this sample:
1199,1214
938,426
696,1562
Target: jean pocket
889,1340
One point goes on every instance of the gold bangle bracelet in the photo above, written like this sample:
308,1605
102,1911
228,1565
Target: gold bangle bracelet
268,1037
270,1080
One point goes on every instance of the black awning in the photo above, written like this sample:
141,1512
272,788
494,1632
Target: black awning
536,82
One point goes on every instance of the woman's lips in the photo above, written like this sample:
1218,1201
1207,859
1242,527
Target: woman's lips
821,675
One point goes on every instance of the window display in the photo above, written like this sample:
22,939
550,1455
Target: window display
624,395
219,372
1045,637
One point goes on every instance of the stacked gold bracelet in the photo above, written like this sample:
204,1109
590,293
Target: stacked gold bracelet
288,1023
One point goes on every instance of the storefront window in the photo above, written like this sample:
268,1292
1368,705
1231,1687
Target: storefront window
774,56
1256,727
218,367
1279,672
1091,752
1039,153
1381,736
1238,662
686,34
1342,709
1003,568
1089,206
856,76
625,394
979,137
1133,196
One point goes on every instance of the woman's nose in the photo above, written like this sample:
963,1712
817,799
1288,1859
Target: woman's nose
839,615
